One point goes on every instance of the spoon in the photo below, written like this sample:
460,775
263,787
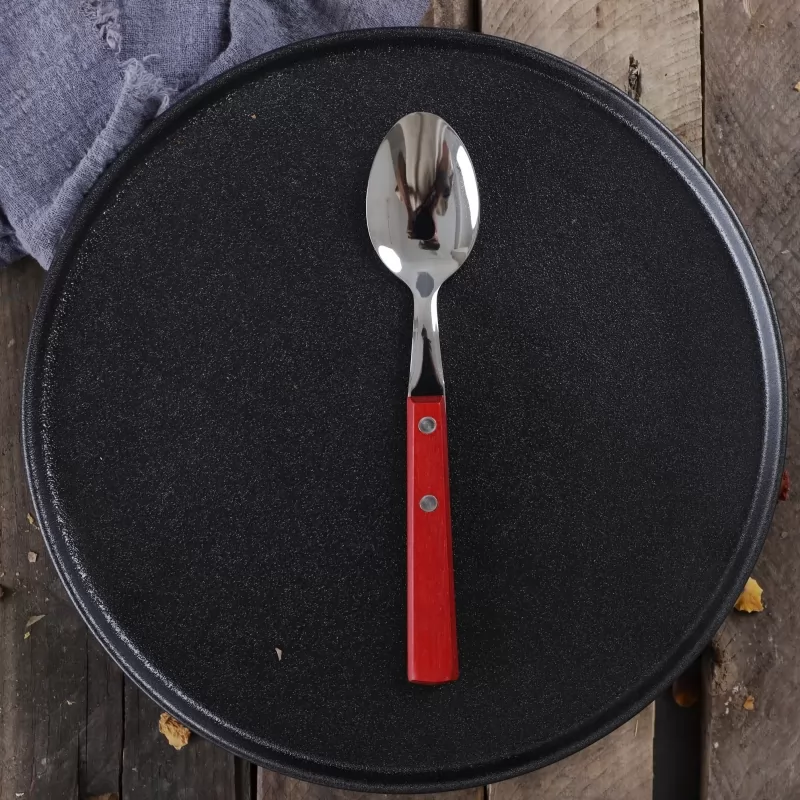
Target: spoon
422,216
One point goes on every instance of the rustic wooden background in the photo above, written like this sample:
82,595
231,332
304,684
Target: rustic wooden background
722,75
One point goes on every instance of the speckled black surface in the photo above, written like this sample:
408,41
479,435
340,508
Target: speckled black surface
215,408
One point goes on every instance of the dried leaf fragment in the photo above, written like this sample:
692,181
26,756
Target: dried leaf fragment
175,733
686,690
750,598
797,86
33,620
32,556
749,703
786,486
31,520
27,635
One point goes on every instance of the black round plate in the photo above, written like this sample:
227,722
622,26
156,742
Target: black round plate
215,404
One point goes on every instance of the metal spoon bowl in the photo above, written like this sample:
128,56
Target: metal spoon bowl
422,216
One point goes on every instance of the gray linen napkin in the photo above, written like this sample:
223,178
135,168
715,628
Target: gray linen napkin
80,78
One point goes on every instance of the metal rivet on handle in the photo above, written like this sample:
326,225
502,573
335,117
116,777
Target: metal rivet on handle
428,503
427,425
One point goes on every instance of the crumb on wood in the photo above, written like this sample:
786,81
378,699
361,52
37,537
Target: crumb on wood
797,86
27,635
11,343
786,486
634,87
750,598
749,703
174,732
32,556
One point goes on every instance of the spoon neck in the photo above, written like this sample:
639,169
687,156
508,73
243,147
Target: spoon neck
426,377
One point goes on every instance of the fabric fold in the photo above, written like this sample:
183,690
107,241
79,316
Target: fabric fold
79,81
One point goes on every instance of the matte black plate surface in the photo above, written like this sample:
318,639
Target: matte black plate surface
215,409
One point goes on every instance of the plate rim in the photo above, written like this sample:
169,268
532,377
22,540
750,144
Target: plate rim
751,540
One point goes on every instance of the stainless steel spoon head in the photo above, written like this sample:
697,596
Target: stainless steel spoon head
422,199
422,216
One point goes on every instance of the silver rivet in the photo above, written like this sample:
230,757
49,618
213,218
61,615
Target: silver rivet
427,425
428,503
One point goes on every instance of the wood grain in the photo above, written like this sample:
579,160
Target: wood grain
601,35
272,785
452,14
752,133
100,737
42,677
618,767
154,770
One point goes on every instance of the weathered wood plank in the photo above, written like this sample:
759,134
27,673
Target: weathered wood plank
61,700
153,770
452,14
271,786
42,677
602,35
100,738
618,767
752,140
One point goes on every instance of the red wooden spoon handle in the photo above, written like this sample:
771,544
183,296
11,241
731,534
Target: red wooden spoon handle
432,653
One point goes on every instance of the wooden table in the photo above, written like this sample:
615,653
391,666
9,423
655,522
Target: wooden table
721,74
